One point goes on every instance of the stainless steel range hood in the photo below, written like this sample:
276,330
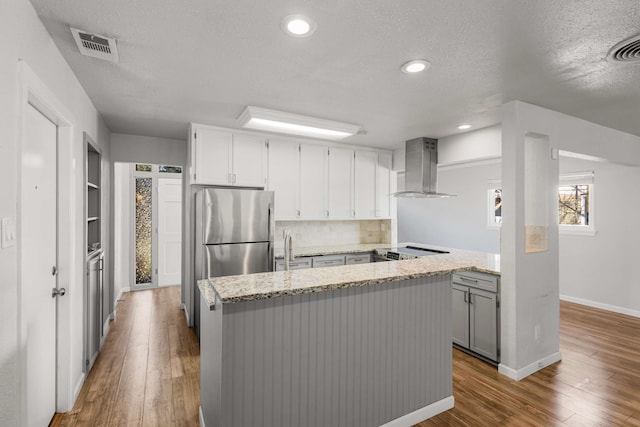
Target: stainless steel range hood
421,169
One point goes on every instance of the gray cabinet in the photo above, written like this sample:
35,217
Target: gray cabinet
296,264
93,303
351,259
328,261
476,319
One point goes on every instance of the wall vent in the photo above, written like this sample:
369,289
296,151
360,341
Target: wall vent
625,51
95,45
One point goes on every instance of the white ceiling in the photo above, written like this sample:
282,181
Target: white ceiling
205,60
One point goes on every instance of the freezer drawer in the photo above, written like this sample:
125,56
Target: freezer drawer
238,258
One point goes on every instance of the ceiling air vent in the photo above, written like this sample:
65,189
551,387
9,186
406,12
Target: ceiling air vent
626,51
96,46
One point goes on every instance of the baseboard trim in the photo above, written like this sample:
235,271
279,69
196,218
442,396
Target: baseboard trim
119,297
201,416
76,390
601,306
519,374
186,313
105,328
415,417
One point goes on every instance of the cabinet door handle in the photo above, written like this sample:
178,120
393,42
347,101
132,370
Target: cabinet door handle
464,296
470,298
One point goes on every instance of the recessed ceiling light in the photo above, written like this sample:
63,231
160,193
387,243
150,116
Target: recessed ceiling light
463,127
298,25
415,66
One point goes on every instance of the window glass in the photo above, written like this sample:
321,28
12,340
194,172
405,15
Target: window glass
573,208
143,168
170,169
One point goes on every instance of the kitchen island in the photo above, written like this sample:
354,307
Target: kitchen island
360,345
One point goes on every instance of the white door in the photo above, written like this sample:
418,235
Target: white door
313,181
248,161
38,258
340,196
212,157
169,231
284,178
366,164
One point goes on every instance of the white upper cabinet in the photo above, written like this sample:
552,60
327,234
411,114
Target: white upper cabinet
366,165
249,161
340,195
284,178
224,158
212,156
383,186
313,181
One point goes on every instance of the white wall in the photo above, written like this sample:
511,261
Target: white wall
456,222
24,37
603,270
121,229
480,144
147,149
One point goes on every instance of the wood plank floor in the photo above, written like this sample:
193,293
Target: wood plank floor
148,374
597,383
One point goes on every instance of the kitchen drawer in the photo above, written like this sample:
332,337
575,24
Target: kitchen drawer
328,261
351,259
295,264
472,279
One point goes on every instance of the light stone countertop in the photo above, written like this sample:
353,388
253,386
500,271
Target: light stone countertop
233,289
333,249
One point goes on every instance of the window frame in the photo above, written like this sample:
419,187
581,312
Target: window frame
574,178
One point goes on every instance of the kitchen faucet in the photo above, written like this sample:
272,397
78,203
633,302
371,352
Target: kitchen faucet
288,249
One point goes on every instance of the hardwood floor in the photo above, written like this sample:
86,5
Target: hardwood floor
597,383
148,374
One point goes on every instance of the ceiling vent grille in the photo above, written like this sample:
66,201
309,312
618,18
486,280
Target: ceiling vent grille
95,45
626,51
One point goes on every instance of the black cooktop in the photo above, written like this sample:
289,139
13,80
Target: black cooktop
394,253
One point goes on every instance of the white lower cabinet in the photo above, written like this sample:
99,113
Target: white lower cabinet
476,319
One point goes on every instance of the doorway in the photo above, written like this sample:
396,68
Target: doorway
148,202
45,251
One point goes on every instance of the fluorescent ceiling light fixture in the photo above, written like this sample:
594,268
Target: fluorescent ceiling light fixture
298,25
415,66
295,124
463,127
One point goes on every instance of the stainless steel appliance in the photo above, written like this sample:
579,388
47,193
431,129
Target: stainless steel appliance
409,252
234,235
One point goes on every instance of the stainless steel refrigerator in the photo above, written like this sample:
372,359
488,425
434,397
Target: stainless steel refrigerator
234,235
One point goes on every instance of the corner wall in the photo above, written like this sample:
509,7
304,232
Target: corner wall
26,38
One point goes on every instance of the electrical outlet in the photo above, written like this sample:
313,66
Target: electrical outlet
536,333
8,232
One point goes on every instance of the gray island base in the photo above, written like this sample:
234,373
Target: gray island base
373,355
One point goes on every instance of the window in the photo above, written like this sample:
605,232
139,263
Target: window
575,203
169,169
494,203
143,168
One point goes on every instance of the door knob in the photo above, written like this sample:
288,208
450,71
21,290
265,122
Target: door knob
58,292
54,270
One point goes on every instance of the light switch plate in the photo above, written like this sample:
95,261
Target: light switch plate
8,232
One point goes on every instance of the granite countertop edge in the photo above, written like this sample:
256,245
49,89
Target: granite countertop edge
260,286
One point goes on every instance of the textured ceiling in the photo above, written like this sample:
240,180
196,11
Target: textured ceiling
205,60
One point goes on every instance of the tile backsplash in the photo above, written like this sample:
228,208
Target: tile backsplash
324,233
